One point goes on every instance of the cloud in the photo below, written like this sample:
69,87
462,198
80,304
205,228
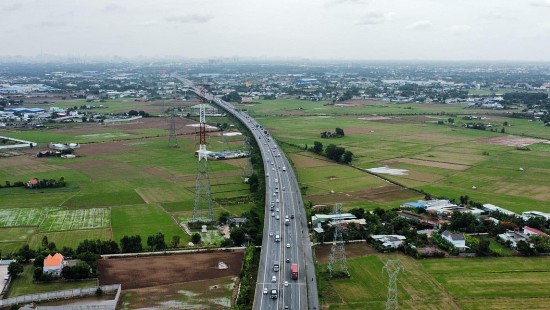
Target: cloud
148,23
45,24
111,8
339,2
420,24
541,3
12,7
189,19
374,18
459,30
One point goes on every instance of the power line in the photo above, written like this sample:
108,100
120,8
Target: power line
337,265
392,267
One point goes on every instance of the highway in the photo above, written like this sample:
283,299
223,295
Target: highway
285,219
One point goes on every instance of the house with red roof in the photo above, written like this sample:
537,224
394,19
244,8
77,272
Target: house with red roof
529,231
54,264
32,183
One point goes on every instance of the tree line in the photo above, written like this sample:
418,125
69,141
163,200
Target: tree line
332,152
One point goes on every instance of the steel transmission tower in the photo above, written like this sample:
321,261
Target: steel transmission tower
392,267
338,264
172,137
202,209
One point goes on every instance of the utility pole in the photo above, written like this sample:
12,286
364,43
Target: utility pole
172,137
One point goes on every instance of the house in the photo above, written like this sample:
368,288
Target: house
54,264
535,214
32,183
389,241
529,231
318,219
513,237
237,221
492,208
458,240
422,218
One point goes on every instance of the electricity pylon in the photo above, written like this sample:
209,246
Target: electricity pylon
337,264
392,267
202,208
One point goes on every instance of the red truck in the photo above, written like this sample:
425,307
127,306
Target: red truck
294,271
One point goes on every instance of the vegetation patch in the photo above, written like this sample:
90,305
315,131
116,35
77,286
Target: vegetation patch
76,219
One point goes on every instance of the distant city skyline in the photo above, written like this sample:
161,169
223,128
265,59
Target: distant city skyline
350,30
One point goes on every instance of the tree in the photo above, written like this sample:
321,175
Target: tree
224,217
25,253
45,241
237,235
358,212
196,238
131,244
483,248
175,241
348,156
15,269
37,273
525,248
317,147
156,242
254,183
339,132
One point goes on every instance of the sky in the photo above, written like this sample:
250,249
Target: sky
455,30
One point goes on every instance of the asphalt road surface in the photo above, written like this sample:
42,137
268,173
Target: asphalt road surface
285,218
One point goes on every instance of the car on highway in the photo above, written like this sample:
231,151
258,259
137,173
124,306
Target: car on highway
277,217
286,283
265,290
274,279
272,213
288,245
277,209
271,234
286,217
276,200
288,260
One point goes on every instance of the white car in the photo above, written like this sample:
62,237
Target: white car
286,283
288,245
277,209
272,213
274,279
277,217
271,234
265,290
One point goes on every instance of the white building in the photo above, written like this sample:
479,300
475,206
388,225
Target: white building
492,208
458,240
389,241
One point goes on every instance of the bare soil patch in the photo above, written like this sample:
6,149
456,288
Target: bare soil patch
152,271
512,141
379,194
322,252
428,163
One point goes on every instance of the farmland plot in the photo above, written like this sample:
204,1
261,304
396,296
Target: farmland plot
76,219
21,217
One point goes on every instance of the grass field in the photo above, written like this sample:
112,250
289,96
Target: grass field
456,283
24,284
124,167
444,160
144,220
